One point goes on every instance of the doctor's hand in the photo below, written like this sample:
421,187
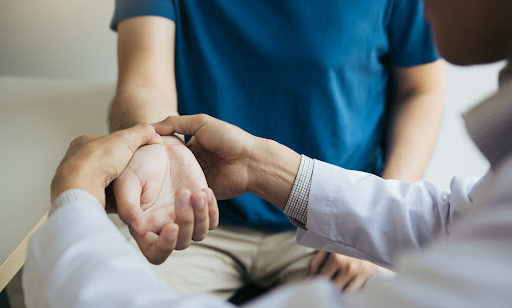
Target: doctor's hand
234,161
347,273
92,163
163,191
222,150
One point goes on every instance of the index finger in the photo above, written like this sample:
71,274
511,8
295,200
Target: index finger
185,125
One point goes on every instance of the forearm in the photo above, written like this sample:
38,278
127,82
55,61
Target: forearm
415,116
414,126
273,168
141,104
146,89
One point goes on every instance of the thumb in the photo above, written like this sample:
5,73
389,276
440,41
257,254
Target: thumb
137,136
185,125
127,190
129,139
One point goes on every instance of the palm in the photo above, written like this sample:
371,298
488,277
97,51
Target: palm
150,183
150,169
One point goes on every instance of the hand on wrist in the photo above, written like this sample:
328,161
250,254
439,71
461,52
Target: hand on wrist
92,162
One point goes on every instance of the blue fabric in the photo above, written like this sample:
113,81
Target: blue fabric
312,75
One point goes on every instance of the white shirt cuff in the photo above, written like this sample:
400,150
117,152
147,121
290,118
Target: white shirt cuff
73,195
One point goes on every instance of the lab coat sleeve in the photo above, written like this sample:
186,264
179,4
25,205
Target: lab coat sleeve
79,259
362,215
469,269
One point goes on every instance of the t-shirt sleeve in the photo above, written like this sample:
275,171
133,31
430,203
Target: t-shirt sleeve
131,8
411,41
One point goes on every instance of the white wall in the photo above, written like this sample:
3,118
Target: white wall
71,39
57,39
455,154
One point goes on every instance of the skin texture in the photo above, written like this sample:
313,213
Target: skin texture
90,163
234,161
416,115
352,274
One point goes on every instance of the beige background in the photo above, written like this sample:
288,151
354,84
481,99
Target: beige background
57,39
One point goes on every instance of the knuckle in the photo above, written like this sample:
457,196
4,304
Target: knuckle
166,119
76,140
187,220
79,140
204,117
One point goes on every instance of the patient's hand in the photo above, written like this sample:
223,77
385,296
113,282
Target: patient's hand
347,273
163,187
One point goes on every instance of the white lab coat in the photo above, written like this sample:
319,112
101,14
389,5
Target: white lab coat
79,259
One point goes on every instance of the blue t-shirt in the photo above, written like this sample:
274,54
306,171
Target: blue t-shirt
312,75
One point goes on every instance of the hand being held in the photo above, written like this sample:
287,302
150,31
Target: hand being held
223,151
92,162
164,199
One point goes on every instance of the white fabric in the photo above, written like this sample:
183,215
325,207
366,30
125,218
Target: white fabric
79,259
362,215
